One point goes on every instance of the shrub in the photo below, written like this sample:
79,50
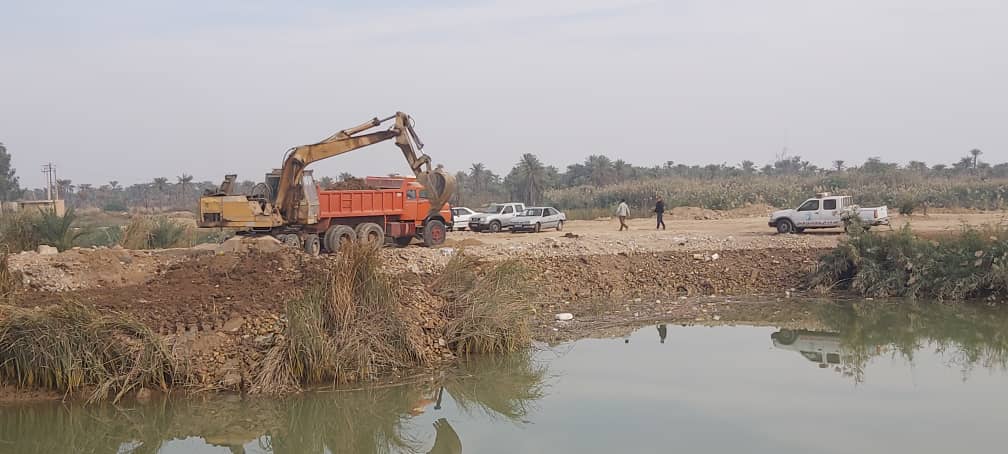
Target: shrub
157,232
970,264
19,232
57,231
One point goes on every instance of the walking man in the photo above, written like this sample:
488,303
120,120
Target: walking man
659,209
622,211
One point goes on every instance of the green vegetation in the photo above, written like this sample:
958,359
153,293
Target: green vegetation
587,189
967,336
970,264
10,188
71,347
156,232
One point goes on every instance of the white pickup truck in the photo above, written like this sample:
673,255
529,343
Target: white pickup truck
495,217
826,211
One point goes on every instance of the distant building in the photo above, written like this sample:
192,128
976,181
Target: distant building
56,206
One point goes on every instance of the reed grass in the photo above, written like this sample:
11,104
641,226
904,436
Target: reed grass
71,347
493,316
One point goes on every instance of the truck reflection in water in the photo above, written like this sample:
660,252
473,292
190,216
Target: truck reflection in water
326,421
825,349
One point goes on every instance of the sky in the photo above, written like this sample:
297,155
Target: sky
132,90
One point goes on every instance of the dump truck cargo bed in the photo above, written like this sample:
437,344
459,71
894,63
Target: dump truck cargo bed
354,203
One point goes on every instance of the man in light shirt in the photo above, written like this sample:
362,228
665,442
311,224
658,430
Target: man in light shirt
622,211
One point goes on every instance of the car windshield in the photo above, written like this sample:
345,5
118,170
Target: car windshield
532,212
493,209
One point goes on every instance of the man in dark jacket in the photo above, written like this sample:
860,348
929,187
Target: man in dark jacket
659,209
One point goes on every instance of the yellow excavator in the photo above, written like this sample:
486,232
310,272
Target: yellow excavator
287,204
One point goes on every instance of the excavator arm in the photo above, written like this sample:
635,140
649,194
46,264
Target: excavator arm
439,184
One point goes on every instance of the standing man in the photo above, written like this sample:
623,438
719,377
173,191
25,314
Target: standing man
622,211
659,209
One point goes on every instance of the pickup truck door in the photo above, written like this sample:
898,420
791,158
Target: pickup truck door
830,216
809,213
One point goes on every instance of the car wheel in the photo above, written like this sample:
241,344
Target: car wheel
538,228
559,226
434,233
785,226
495,227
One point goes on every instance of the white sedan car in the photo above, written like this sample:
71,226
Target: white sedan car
534,219
460,217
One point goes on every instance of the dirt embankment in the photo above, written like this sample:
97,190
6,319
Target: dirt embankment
221,308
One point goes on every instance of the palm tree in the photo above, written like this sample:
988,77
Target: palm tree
478,176
63,189
531,176
114,184
345,176
838,165
600,170
976,155
183,181
622,170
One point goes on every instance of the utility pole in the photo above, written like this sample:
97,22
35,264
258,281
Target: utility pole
50,172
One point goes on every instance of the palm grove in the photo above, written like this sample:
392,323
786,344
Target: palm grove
599,182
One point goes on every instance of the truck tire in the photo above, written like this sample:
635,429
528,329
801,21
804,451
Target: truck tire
785,226
495,227
337,235
371,233
434,233
312,245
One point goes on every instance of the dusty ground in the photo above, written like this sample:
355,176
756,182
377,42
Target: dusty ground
211,302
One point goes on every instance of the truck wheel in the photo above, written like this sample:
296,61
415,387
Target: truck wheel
785,226
559,226
291,241
312,245
434,233
337,235
495,227
371,233
538,227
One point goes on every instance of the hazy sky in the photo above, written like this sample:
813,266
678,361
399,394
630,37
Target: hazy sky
127,90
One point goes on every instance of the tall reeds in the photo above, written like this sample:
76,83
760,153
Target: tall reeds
71,347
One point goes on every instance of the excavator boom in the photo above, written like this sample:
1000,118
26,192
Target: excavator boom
439,184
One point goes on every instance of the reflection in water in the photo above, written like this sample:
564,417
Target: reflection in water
966,337
662,332
368,421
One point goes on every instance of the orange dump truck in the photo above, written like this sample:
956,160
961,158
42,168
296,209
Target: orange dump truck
395,208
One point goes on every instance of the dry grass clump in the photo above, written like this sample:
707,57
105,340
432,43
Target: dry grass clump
72,347
9,282
347,327
493,315
158,232
19,232
971,264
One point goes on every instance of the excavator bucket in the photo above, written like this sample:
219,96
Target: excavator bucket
440,186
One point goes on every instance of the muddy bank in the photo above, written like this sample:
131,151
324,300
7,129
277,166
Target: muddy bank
220,313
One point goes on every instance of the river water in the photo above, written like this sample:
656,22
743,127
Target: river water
921,379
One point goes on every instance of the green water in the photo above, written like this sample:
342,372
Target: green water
865,379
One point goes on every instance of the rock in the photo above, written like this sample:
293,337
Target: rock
715,257
233,325
717,317
564,316
47,250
